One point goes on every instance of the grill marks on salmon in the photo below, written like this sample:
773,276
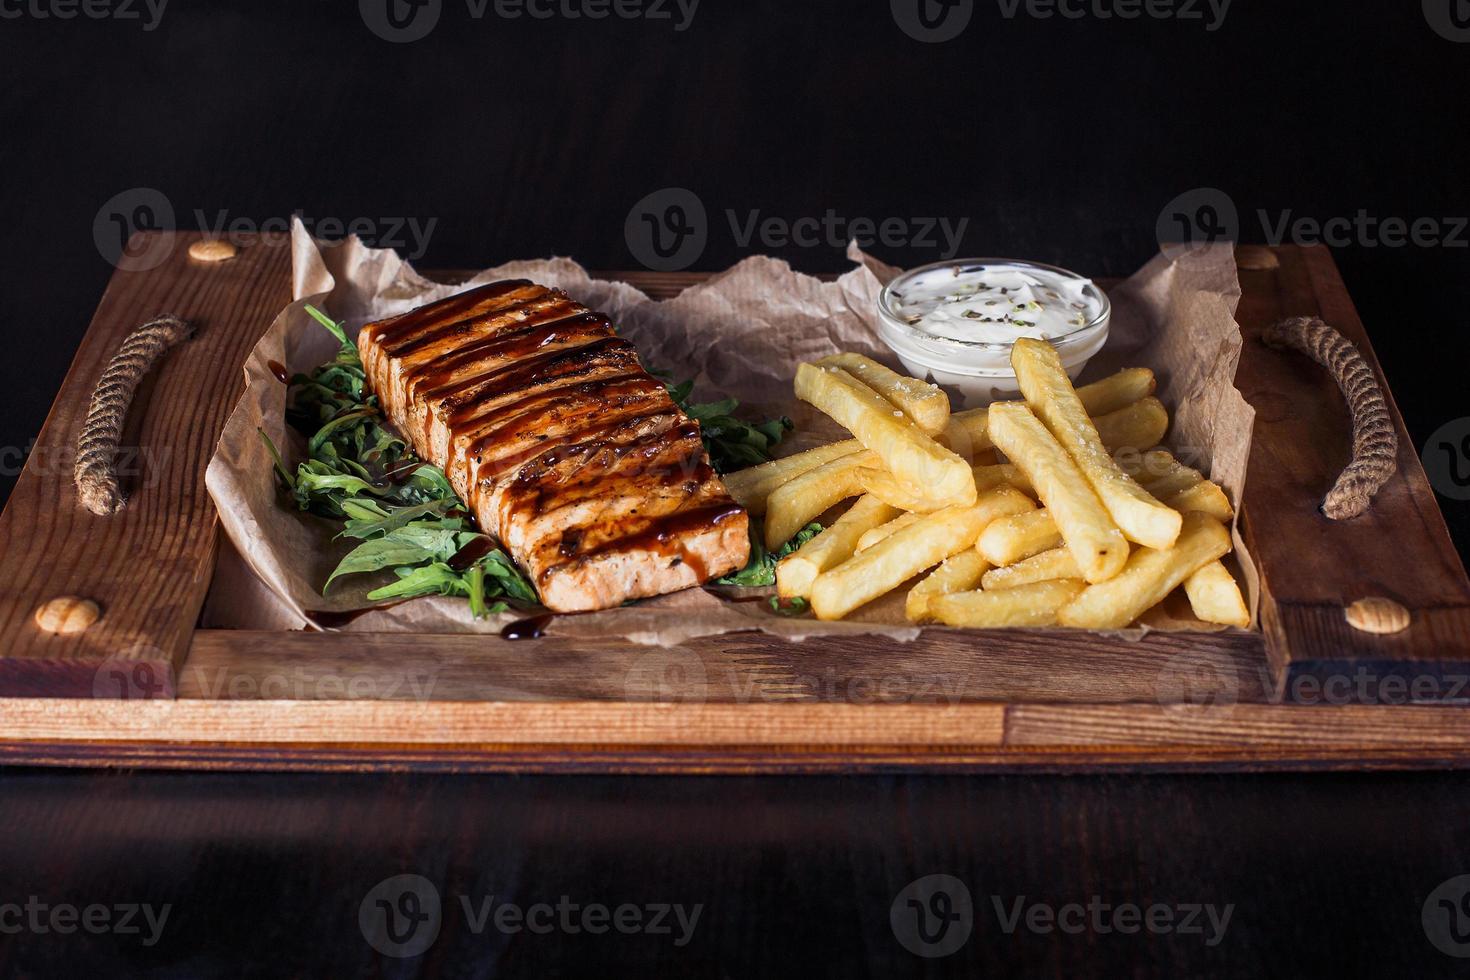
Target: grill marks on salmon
561,444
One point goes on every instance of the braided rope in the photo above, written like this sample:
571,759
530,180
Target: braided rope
1375,444
97,446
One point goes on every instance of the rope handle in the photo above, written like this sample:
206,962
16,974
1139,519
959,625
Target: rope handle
1375,444
96,472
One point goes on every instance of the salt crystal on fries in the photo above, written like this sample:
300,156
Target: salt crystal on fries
870,538
796,504
751,487
905,449
1089,532
1040,567
797,571
1215,598
891,490
923,402
1011,539
1047,388
1148,577
907,552
1138,426
957,573
1036,604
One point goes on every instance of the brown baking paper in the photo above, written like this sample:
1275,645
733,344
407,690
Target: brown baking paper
740,334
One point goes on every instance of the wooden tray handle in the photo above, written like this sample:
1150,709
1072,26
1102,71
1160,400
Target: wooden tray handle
96,472
1375,444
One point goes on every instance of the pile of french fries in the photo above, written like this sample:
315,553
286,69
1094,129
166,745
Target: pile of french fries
1039,512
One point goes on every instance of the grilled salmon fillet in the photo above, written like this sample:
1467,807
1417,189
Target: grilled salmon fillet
561,444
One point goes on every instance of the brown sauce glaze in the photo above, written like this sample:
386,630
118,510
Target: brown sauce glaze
530,628
519,377
664,536
501,350
533,415
471,553
279,370
495,323
448,310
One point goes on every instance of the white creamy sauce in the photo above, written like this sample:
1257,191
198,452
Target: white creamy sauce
995,303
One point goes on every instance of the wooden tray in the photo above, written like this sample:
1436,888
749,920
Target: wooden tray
144,686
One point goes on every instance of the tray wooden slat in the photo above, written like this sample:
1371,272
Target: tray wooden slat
1312,567
149,565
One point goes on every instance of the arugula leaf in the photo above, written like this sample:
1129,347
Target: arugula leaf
359,473
732,443
761,569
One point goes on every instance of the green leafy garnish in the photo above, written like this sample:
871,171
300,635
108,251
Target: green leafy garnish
761,569
794,606
732,443
361,475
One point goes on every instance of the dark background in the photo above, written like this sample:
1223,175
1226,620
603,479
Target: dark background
1060,140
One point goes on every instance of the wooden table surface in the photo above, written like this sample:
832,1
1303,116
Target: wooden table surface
1326,874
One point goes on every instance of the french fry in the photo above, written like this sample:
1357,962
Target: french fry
907,552
891,490
797,571
1010,539
1215,598
751,486
1047,388
1148,577
957,573
923,402
1138,426
1035,604
1117,391
968,432
904,448
1042,567
1089,532
1180,487
998,473
797,503
870,538
1205,497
